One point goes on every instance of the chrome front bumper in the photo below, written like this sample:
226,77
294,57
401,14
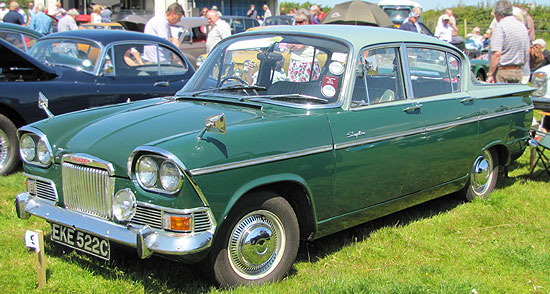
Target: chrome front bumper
145,239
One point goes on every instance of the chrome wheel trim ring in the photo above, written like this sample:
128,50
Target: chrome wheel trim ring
256,245
482,173
4,148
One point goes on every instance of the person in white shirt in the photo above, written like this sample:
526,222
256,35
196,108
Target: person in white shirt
159,26
3,11
445,31
68,22
219,30
267,12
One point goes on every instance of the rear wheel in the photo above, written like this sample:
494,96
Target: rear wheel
483,176
9,146
258,244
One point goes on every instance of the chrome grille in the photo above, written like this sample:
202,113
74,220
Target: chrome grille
153,217
41,189
202,222
148,216
87,190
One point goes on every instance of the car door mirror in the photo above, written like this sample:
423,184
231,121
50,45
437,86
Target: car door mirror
214,124
43,104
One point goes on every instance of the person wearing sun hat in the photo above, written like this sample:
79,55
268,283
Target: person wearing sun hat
410,25
3,11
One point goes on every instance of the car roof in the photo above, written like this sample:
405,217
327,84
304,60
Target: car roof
359,36
19,28
189,22
106,37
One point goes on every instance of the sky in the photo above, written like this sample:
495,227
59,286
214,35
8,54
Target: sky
429,4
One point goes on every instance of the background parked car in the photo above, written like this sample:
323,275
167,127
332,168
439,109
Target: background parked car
192,37
279,20
240,24
330,127
19,36
540,80
101,26
82,69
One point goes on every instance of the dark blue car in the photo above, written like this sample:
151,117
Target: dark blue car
82,69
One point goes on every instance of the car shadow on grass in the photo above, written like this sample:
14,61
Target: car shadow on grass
315,250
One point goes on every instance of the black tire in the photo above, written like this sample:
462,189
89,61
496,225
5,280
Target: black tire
258,242
483,176
9,146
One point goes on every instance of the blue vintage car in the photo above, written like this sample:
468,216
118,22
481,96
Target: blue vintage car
82,69
284,134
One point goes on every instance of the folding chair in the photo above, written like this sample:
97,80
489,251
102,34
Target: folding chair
540,146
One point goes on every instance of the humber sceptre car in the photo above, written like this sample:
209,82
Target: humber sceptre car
321,128
82,69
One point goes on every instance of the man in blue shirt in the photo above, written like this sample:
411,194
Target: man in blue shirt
13,16
411,24
40,22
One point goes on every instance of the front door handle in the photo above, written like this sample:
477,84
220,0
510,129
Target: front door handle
467,100
162,84
413,108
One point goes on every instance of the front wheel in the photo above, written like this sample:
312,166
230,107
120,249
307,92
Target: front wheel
9,146
483,176
259,243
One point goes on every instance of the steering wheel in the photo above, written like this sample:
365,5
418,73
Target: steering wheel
235,78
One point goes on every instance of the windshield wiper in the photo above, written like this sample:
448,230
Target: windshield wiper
231,88
287,97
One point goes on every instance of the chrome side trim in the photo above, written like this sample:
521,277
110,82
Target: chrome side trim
256,161
379,138
151,149
506,112
451,124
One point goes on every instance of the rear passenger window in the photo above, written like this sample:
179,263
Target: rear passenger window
433,72
378,77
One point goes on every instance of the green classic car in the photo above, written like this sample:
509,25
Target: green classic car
329,127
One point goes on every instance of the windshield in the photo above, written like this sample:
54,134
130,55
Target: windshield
289,68
79,54
398,15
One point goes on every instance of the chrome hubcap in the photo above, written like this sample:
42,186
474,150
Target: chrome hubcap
256,244
482,172
4,148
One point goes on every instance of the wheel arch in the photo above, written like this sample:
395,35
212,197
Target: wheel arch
503,154
291,187
12,115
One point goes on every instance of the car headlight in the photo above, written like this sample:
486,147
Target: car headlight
147,171
124,205
27,148
539,81
43,153
170,176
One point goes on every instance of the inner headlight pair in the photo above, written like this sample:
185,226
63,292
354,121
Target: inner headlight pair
34,150
158,174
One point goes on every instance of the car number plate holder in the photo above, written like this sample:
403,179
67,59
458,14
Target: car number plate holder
82,241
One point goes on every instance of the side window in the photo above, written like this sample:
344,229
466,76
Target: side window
378,77
429,72
173,64
130,60
14,39
454,69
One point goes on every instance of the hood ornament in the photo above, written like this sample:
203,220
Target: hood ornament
43,104
214,124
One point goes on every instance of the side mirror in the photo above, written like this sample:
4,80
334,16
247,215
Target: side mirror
43,104
214,124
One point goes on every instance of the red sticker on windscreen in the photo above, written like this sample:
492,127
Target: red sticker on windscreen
329,86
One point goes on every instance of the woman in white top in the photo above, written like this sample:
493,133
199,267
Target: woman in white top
96,14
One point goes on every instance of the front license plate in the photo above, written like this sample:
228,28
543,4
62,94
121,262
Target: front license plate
82,241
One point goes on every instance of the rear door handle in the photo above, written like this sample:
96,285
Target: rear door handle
162,84
413,108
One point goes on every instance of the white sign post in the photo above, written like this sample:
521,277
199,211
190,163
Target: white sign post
35,240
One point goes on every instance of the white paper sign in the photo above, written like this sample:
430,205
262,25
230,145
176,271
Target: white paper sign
31,240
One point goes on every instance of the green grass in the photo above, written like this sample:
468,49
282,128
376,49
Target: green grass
500,245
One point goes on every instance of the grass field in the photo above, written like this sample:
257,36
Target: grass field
500,245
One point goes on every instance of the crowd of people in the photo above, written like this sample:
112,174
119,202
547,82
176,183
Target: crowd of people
40,19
